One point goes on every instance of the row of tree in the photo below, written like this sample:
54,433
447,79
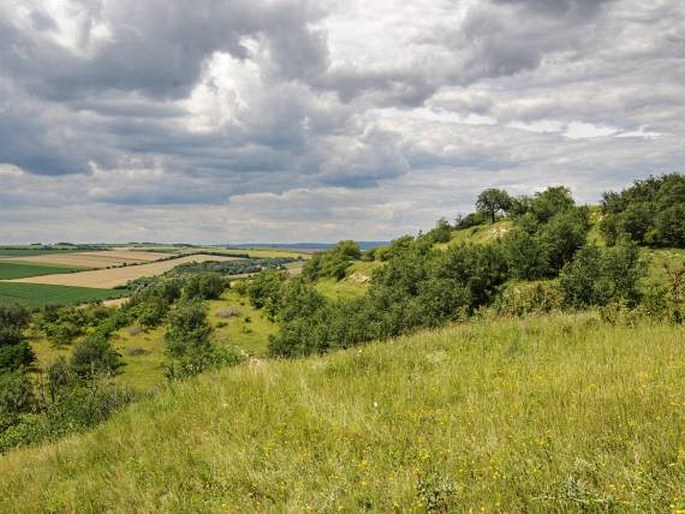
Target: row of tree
650,212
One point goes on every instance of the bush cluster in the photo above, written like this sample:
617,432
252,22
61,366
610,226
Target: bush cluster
651,212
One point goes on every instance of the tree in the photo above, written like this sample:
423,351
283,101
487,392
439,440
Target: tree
15,351
205,286
188,330
491,201
550,202
93,357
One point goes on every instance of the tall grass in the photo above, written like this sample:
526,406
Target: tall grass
552,414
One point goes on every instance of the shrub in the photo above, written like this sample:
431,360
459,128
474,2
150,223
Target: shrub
93,357
188,330
205,286
598,276
264,291
16,395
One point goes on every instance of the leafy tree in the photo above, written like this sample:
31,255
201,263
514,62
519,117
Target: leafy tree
94,357
442,232
16,396
563,235
334,262
15,351
648,212
491,201
205,286
519,206
471,220
188,330
550,202
264,291
598,276
528,257
670,226
298,297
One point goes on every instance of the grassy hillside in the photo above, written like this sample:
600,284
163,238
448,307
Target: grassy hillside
558,413
143,351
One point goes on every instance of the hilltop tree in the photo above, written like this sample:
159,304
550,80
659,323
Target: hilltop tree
491,201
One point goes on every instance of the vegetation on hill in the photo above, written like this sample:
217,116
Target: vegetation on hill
428,280
567,353
559,413
650,212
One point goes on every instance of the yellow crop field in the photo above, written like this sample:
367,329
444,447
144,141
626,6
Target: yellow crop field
109,278
101,259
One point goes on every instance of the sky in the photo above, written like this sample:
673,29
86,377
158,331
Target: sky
217,121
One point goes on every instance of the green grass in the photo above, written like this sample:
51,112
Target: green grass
250,336
143,350
28,252
657,259
549,414
481,233
38,295
10,270
340,290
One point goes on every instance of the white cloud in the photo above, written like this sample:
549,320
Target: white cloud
298,119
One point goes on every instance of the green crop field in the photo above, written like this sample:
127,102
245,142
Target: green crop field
38,295
9,270
27,252
561,413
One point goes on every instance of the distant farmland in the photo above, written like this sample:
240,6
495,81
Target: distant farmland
10,270
96,259
38,295
109,278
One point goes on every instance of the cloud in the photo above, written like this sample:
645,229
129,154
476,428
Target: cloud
295,119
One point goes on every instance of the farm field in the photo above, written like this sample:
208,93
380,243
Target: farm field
29,252
115,277
99,259
38,295
260,253
9,270
558,413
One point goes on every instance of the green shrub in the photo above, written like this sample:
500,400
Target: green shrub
94,357
598,276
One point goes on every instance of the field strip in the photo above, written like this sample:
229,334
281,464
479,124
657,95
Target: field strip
100,259
109,278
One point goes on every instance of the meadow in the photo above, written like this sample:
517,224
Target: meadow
38,295
559,413
11,270
246,329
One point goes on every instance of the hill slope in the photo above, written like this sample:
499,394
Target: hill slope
557,413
